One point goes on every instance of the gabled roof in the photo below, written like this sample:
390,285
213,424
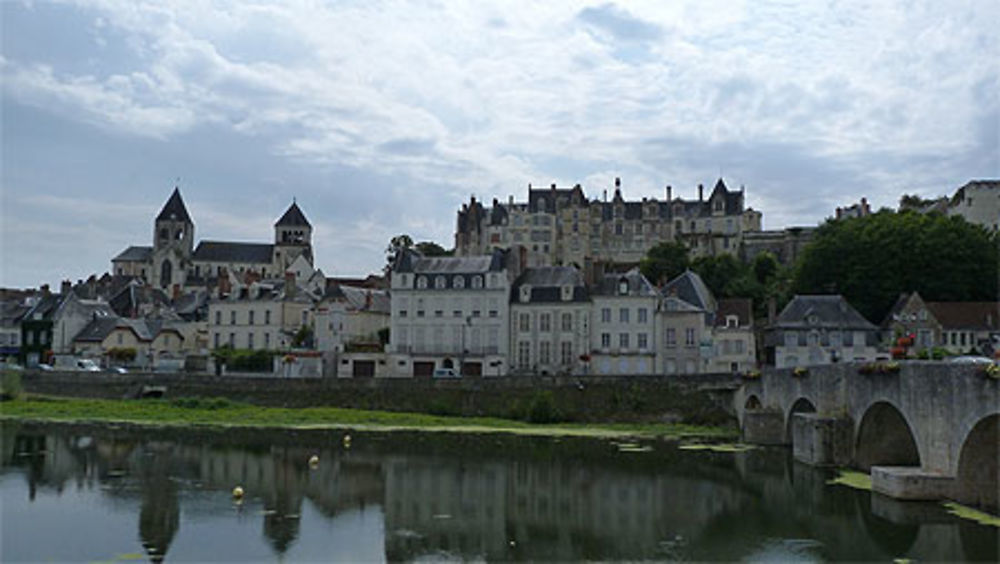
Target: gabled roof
977,316
226,251
134,253
174,209
827,311
675,304
360,299
409,260
742,308
692,289
97,330
546,284
638,285
293,217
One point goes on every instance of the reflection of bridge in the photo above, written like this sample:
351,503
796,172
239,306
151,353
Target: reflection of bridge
928,431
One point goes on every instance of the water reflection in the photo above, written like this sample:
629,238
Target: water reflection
464,496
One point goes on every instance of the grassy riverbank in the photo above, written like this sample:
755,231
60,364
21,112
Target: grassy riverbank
224,413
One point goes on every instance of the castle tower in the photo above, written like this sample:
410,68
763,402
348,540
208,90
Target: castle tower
173,243
292,238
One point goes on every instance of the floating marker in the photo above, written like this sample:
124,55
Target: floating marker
347,441
314,461
237,492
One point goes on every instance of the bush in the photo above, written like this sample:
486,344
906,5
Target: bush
122,354
10,385
542,408
244,360
441,406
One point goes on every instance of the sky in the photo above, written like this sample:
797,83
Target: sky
381,118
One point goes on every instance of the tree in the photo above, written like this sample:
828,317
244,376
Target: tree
664,261
396,244
720,273
871,260
764,266
431,249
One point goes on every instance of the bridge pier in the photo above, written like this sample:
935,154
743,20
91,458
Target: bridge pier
820,440
764,427
911,483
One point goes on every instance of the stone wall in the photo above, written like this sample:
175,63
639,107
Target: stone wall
702,399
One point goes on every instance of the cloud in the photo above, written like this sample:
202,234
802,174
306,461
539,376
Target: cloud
619,24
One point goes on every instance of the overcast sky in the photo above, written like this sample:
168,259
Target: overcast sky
383,117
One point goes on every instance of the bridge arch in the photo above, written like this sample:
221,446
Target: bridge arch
753,402
976,479
885,438
801,405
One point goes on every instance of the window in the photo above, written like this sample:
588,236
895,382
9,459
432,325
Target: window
438,313
218,317
477,282
232,317
267,317
739,346
606,315
566,353
402,313
121,338
267,340
422,282
567,322
544,352
791,339
524,322
732,321
458,282
671,337
523,354
250,341
643,342
439,282
545,322
623,340
456,313
623,315
250,317
215,340
689,337
605,340
232,340
643,315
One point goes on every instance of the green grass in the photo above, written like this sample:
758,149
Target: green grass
225,413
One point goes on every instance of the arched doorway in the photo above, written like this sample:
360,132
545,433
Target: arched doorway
976,478
801,405
448,363
753,402
885,439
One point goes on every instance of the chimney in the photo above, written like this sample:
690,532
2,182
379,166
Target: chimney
45,290
495,202
701,192
618,182
605,196
553,185
840,212
670,191
510,199
66,287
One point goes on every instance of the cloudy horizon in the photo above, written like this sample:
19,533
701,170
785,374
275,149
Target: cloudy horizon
383,118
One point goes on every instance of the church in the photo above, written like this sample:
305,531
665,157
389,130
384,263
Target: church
173,263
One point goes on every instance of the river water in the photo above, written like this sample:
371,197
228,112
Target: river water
101,493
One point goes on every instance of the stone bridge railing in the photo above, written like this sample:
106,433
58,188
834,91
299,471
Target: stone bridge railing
925,430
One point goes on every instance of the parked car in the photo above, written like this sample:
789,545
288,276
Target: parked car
970,359
45,367
87,365
118,370
446,373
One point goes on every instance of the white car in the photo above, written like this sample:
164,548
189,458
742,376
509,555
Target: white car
87,365
446,373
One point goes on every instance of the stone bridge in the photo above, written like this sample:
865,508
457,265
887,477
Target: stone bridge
930,430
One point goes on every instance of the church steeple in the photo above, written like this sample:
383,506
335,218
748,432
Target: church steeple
292,237
173,242
174,209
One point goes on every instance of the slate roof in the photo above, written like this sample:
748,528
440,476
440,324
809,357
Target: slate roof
293,217
174,209
409,260
831,311
975,316
135,293
546,284
46,306
692,289
135,253
638,285
360,299
673,303
97,330
227,251
742,308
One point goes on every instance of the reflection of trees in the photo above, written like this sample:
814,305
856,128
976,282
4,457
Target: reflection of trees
283,499
159,515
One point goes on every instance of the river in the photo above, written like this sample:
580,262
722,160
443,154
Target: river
105,493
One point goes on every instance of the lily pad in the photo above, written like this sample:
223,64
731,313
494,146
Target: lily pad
971,514
717,447
853,479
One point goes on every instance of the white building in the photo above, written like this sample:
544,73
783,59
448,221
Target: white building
623,340
734,345
450,313
978,202
815,330
264,315
348,315
685,322
550,321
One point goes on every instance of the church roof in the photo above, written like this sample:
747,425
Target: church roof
174,209
135,253
293,217
227,251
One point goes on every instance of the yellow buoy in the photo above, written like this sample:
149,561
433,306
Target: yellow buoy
314,460
347,441
238,492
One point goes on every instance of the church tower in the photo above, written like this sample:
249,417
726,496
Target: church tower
292,238
173,244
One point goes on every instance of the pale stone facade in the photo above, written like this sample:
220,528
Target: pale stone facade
816,330
348,315
623,340
979,203
550,313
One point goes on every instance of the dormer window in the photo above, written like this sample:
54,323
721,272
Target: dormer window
525,294
623,287
812,319
567,293
422,282
439,282
477,282
732,321
458,282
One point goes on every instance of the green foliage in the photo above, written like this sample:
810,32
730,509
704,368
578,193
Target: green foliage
210,404
871,260
303,337
10,385
664,261
765,267
122,354
245,360
542,408
431,249
383,336
720,272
